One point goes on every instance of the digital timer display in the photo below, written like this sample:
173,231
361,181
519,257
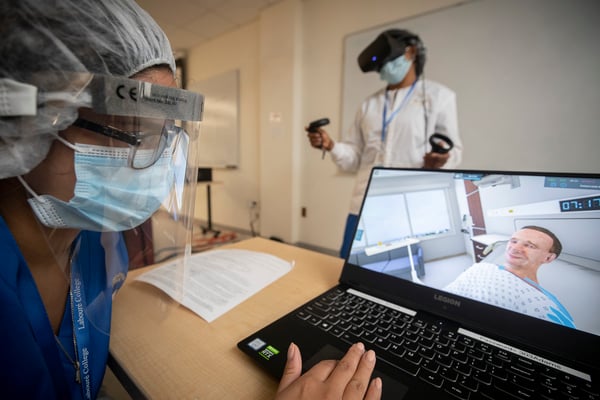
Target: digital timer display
580,204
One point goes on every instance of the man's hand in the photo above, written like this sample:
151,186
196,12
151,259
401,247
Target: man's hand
435,160
347,379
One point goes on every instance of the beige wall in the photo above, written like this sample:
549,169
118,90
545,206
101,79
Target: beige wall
236,188
290,63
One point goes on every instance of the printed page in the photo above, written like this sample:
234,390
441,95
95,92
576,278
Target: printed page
213,282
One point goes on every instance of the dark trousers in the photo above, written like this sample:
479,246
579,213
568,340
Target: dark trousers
351,223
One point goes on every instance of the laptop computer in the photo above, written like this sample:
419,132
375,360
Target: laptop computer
428,284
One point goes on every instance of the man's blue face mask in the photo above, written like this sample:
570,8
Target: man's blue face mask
395,71
109,195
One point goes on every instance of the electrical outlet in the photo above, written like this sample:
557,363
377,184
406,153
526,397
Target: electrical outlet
303,212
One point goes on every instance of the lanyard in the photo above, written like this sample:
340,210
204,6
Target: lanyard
386,121
81,328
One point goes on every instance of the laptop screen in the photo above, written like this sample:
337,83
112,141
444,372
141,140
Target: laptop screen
525,242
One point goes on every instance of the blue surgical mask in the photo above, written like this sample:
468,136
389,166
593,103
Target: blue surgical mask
395,71
109,196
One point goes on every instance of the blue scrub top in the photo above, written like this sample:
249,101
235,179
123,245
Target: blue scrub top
32,364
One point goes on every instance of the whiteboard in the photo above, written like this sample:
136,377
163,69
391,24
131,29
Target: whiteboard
218,146
525,73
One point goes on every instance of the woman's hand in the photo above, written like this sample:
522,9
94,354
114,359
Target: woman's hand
347,379
435,160
320,139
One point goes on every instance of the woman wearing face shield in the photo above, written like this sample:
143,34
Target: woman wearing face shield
89,149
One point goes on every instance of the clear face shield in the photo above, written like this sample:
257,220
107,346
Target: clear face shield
120,181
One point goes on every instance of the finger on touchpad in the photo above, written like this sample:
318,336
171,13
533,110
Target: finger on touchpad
392,389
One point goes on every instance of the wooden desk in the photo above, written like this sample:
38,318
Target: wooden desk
171,353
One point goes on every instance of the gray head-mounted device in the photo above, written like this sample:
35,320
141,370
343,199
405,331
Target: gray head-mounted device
50,102
114,95
388,46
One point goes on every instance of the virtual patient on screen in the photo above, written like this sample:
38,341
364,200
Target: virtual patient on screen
515,285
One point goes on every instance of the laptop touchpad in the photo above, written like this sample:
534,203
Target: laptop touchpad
392,389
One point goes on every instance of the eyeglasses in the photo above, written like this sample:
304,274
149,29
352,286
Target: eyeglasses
152,142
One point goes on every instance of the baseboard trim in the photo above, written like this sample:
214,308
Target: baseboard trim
318,249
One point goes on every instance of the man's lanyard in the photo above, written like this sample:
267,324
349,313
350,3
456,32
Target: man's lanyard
81,328
386,121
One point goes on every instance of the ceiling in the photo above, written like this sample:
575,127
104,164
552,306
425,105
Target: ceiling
188,23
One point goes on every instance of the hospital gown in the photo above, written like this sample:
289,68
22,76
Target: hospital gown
495,285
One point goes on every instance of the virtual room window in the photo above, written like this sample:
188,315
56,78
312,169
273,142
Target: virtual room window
388,217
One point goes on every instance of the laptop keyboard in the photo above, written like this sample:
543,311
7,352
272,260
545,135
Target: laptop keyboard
452,360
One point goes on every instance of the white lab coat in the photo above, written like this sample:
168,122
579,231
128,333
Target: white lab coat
406,143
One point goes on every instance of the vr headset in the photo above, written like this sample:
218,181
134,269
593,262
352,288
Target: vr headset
389,45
